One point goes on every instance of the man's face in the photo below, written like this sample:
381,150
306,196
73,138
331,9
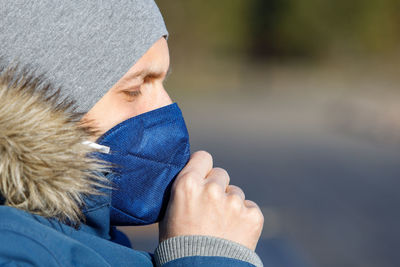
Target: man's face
140,90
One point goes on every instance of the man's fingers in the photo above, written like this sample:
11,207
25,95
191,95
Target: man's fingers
250,204
235,190
218,176
199,165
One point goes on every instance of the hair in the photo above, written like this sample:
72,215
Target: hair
44,167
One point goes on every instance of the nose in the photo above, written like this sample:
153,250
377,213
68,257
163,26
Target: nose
164,98
160,98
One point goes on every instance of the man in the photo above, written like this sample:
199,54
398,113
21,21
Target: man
111,60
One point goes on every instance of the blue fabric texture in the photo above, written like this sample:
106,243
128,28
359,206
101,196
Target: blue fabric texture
31,240
148,151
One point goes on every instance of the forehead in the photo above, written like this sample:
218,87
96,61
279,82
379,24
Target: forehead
154,61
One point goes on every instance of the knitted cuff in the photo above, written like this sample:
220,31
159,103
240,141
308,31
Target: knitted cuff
196,245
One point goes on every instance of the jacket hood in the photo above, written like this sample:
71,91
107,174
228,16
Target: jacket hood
44,167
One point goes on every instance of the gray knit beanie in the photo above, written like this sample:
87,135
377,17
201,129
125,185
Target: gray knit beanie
82,46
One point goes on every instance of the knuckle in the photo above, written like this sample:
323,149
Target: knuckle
213,190
237,189
186,183
221,172
251,204
257,216
235,201
204,155
260,219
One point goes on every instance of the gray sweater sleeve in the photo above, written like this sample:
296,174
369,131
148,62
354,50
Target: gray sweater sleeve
197,245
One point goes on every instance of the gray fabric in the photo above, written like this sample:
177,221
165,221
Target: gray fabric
84,46
198,245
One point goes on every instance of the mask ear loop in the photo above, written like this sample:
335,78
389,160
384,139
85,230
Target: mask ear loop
100,148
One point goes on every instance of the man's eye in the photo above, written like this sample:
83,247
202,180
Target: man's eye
131,95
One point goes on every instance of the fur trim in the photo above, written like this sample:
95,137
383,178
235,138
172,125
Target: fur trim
44,167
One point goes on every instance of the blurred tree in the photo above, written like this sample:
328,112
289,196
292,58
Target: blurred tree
309,28
204,27
283,28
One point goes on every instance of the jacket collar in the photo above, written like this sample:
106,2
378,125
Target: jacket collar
44,167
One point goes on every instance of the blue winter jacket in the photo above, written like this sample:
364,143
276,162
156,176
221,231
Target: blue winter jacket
32,240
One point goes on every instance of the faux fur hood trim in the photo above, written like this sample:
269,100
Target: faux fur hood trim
44,167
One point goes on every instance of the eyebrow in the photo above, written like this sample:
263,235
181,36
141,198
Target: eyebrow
146,73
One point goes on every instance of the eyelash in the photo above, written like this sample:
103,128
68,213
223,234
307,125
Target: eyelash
132,95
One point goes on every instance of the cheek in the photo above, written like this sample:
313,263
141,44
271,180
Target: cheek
118,109
109,114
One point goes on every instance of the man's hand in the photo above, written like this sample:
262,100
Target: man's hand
203,203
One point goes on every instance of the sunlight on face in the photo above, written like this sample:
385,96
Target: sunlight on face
140,90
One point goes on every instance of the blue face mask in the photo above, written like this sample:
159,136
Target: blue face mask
149,150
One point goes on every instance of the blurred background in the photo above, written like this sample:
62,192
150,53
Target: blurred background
300,102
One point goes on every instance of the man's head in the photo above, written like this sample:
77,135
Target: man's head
138,91
91,50
111,58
